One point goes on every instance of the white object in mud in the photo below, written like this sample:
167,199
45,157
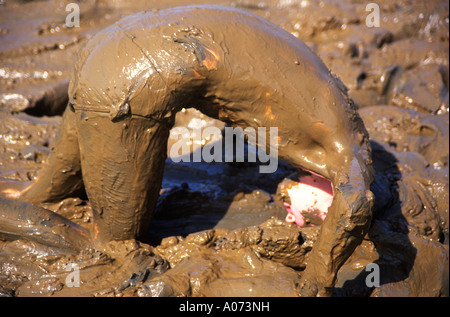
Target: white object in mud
313,193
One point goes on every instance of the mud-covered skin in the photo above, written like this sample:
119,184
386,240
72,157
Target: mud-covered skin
19,219
131,79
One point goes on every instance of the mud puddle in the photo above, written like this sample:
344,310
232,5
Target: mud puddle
219,228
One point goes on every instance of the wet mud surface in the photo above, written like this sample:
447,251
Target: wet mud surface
219,228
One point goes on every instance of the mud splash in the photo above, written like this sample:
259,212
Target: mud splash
398,74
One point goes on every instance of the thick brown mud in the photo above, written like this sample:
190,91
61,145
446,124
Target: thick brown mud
219,228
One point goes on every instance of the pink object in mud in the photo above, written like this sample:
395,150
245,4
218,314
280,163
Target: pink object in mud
312,193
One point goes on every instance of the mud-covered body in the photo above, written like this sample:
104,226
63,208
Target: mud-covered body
133,77
231,65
